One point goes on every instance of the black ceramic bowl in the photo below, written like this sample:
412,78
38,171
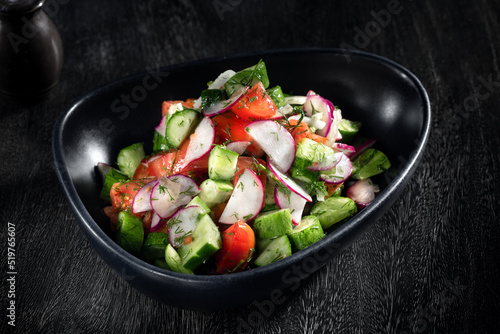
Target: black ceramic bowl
387,98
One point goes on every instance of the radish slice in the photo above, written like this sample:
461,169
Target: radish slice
347,149
289,183
172,192
142,199
201,142
340,172
238,146
276,141
295,99
156,222
160,128
361,148
283,111
325,164
103,169
334,133
362,192
182,224
291,201
217,84
317,104
225,105
246,201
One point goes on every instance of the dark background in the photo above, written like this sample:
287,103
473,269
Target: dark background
430,264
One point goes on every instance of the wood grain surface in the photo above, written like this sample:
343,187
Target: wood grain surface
430,265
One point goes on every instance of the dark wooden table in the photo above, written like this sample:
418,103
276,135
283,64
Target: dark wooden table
430,265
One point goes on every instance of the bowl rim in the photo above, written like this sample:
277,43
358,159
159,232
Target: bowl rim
91,228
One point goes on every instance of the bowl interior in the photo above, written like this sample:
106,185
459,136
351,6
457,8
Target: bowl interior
385,97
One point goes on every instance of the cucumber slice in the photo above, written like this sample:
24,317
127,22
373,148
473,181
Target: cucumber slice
276,94
273,223
333,210
161,263
214,192
129,158
306,233
112,177
174,261
222,164
129,233
314,152
369,163
196,201
206,241
160,143
154,246
180,125
247,77
300,172
348,129
277,249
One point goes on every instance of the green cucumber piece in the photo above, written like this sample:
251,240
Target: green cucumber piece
130,233
348,129
369,163
154,246
222,163
174,261
213,192
314,152
212,96
300,171
277,249
180,125
161,263
113,176
306,233
206,241
247,77
160,142
276,94
333,210
129,158
273,224
196,201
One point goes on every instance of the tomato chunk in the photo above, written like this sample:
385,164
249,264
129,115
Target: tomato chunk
301,131
189,103
122,194
249,162
255,104
230,127
161,164
238,246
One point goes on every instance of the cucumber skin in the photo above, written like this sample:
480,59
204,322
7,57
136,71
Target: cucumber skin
222,164
215,192
276,250
369,163
308,232
334,210
129,158
174,261
114,176
176,133
130,233
276,94
273,224
154,246
247,77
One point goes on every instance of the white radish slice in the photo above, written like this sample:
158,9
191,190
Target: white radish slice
295,99
201,141
347,149
246,201
291,201
182,224
317,104
156,222
160,128
362,192
225,105
142,199
334,133
238,146
327,163
289,182
276,141
340,172
172,192
216,84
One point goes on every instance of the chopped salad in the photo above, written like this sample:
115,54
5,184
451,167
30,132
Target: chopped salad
241,177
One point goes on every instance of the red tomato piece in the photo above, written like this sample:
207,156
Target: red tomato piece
161,164
255,104
189,103
122,194
198,166
238,246
249,162
230,127
301,131
142,170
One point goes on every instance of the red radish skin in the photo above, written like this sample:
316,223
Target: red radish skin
294,202
289,183
201,142
223,106
362,192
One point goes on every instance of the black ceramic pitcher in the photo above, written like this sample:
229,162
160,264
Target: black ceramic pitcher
31,53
